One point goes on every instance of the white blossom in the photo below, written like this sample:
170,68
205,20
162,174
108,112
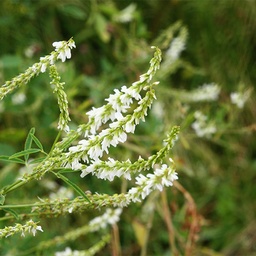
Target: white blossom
110,217
162,177
129,127
202,127
67,252
126,15
64,49
176,47
239,98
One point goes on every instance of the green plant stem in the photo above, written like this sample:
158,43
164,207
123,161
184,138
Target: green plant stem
116,251
55,141
148,226
13,186
167,219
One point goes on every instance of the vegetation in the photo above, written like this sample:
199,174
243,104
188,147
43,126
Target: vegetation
57,190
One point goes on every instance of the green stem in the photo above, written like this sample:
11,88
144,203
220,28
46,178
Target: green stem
55,141
13,186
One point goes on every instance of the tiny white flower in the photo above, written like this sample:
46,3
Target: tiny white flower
122,137
34,230
176,47
118,116
95,152
202,127
129,127
57,45
127,14
18,98
239,98
76,165
64,49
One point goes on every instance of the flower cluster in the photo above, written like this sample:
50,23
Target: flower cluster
239,98
202,127
86,150
110,217
90,252
113,168
162,177
92,147
63,49
176,46
206,92
58,89
29,227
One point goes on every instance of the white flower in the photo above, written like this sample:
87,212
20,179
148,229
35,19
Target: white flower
176,47
132,92
64,49
111,216
116,103
127,14
31,226
18,98
239,98
95,152
43,64
206,92
76,165
106,144
164,176
34,230
129,127
202,127
67,252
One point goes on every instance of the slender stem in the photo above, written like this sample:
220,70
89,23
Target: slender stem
116,251
194,222
25,205
148,226
167,218
13,186
55,141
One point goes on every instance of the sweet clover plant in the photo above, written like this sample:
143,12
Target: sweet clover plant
87,149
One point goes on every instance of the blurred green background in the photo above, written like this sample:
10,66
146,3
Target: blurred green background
214,208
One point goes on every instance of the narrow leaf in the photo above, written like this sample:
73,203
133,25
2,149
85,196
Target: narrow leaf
2,199
28,142
25,152
13,160
67,170
37,142
73,185
12,212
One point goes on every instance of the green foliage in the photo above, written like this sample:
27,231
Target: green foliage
213,202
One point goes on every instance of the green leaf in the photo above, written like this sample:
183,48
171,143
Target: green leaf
2,199
12,212
13,160
37,142
28,142
25,152
101,28
73,11
73,185
67,170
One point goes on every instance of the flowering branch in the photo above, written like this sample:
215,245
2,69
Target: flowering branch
62,51
29,227
85,150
